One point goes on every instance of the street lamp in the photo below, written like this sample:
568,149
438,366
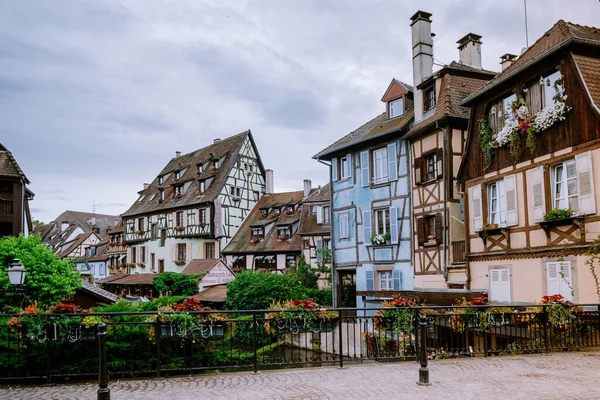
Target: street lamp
16,273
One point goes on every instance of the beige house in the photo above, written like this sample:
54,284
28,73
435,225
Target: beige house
531,168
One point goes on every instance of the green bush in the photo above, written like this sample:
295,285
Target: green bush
177,284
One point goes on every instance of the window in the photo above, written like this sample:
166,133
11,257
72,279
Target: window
559,279
134,255
217,164
290,261
500,285
264,212
6,207
429,228
153,231
162,195
255,195
163,237
549,90
428,98
179,190
6,187
506,106
344,168
141,224
179,218
396,107
326,215
209,251
385,280
161,179
344,229
382,221
177,174
258,232
496,203
181,251
380,165
564,185
236,191
202,216
431,166
284,232
143,254
248,167
200,168
202,186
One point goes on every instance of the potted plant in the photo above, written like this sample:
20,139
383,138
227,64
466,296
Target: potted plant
296,316
379,239
179,228
559,213
90,327
397,315
180,262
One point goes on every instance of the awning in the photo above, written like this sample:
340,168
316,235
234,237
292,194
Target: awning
258,258
235,258
269,258
122,257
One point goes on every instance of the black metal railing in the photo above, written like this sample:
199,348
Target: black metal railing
56,347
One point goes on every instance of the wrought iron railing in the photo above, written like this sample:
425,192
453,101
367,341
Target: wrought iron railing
53,347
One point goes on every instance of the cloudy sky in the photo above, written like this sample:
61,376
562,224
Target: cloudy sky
96,96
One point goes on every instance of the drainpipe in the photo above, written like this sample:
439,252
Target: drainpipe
447,177
332,241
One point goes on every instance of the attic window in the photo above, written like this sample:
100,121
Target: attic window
217,164
396,107
152,196
162,195
284,232
202,186
258,233
161,179
177,174
178,190
428,98
141,198
200,168
264,212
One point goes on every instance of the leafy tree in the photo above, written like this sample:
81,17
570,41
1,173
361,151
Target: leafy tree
177,284
48,279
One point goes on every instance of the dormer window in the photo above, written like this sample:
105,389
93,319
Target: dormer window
202,186
178,190
162,195
161,179
200,168
217,164
276,212
284,232
258,233
177,174
428,98
396,107
264,212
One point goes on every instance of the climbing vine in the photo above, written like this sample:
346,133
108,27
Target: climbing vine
594,260
487,137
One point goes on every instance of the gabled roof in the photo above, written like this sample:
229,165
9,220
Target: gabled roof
559,36
214,294
589,68
78,241
396,89
136,279
225,150
308,220
96,291
241,242
9,166
198,267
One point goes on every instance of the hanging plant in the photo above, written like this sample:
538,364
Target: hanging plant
486,134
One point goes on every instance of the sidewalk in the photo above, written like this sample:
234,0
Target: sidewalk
573,375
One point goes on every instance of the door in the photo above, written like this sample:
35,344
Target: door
152,261
500,285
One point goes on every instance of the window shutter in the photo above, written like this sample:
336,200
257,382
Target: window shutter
334,169
370,278
393,162
344,229
417,169
218,225
534,97
439,155
500,285
319,252
512,211
553,278
476,216
536,180
396,279
364,168
439,228
585,183
565,280
319,215
421,231
394,225
367,227
350,165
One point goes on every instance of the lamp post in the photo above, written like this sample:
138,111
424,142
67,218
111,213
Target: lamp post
16,277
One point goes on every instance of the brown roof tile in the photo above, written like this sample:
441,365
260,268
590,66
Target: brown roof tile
590,72
141,279
8,164
197,267
214,294
308,222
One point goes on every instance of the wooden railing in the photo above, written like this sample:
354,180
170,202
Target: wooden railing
459,250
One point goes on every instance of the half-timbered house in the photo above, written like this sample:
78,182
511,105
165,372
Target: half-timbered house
436,145
315,225
370,206
530,171
116,250
15,217
194,206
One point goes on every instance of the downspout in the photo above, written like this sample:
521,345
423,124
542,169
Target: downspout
332,241
23,217
447,181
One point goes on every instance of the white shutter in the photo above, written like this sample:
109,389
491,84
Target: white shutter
364,168
394,225
319,251
334,169
536,180
512,210
344,229
553,278
585,183
500,285
370,278
319,215
476,216
217,220
367,227
393,162
565,280
396,279
349,165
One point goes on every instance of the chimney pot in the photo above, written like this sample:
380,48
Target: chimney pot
506,60
217,140
270,186
177,154
422,51
307,187
469,50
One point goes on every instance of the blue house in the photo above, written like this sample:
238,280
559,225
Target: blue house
371,204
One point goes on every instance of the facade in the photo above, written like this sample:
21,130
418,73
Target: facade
436,146
269,237
15,217
532,155
195,205
370,186
94,263
315,225
214,273
116,250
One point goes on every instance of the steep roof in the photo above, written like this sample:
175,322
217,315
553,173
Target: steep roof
78,241
96,291
197,267
308,220
9,166
141,279
561,34
589,68
241,242
377,128
214,294
458,81
88,221
226,151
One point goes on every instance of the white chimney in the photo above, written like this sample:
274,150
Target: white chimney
422,49
64,225
469,50
269,181
177,154
307,187
217,140
506,60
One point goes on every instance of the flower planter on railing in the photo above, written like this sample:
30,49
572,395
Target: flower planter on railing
210,329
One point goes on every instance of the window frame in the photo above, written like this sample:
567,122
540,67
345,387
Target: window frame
549,84
429,227
429,103
181,251
141,224
209,247
428,161
343,170
202,215
385,220
179,218
385,173
258,232
500,203
202,186
391,108
388,274
565,182
344,235
326,215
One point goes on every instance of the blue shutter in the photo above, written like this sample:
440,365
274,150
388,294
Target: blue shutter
397,279
364,168
394,225
367,227
334,169
370,275
393,162
350,165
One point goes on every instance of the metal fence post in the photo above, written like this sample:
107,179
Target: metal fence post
545,314
157,336
340,344
103,391
423,371
254,342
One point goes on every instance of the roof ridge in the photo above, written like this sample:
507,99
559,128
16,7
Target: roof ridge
246,132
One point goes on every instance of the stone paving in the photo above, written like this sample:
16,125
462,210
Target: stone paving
574,375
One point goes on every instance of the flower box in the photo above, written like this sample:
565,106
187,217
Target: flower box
168,330
293,326
179,228
236,198
180,262
214,329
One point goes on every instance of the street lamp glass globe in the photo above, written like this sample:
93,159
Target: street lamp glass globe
16,273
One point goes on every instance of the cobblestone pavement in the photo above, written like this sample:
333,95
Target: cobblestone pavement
573,375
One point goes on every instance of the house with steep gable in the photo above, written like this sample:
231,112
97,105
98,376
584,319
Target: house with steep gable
15,216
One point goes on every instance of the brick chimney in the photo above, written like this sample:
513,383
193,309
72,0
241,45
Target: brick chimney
469,50
422,50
